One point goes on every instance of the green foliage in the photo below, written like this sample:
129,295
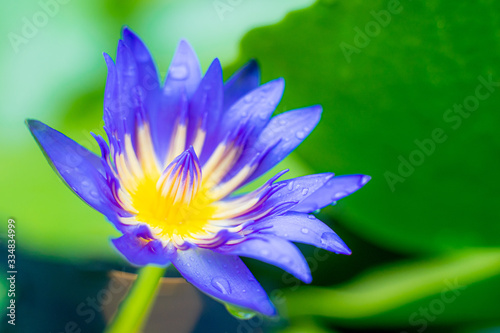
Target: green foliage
396,90
394,294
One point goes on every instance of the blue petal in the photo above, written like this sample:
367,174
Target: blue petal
184,72
140,251
79,168
303,228
181,82
205,108
275,251
123,96
251,113
224,277
148,77
296,190
279,138
334,189
246,79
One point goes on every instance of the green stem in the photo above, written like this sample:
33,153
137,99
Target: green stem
134,310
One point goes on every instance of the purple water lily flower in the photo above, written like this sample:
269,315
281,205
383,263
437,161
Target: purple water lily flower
175,154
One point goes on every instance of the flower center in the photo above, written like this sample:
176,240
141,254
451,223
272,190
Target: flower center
172,213
173,204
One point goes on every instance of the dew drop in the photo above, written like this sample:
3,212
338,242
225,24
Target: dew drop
240,313
290,185
221,284
170,248
167,91
305,191
248,98
73,160
312,217
300,135
282,122
339,195
178,72
286,260
94,194
304,230
85,182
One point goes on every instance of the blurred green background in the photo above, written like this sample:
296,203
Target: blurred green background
411,96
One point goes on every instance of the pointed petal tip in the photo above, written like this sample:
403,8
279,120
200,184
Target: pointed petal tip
184,45
365,179
127,31
306,278
317,108
253,63
34,125
30,122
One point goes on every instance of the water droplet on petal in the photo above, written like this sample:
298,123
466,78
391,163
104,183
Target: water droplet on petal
178,72
221,284
240,313
248,98
282,122
339,195
73,160
167,91
304,230
305,191
286,260
300,135
290,185
170,248
312,217
94,194
85,182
